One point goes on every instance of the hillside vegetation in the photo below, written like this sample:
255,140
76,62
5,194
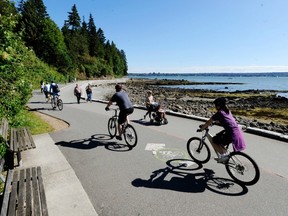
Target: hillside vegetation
34,49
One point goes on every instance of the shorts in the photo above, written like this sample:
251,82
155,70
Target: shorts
222,138
46,94
123,115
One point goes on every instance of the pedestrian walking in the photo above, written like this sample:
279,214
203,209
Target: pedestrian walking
78,93
89,93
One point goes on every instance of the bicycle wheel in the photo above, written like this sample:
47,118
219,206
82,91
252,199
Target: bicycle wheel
242,168
112,127
60,104
53,103
130,135
198,150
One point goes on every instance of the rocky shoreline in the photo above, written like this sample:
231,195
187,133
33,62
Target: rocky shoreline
191,101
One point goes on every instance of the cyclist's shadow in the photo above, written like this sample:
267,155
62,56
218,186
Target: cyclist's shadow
97,140
190,182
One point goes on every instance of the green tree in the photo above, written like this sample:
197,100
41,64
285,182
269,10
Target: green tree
7,7
15,88
100,44
74,21
32,23
124,59
54,50
92,37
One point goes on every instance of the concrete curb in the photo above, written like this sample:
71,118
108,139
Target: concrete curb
256,131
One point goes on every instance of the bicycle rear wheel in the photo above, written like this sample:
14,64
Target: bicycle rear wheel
53,104
130,135
112,127
242,168
60,104
198,150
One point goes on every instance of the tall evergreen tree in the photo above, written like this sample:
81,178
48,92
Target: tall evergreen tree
124,59
92,37
74,21
43,35
32,21
100,45
83,37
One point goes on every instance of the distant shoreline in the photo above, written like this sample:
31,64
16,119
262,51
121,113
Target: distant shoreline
211,74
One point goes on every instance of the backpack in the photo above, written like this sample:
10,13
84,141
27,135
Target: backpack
55,88
45,88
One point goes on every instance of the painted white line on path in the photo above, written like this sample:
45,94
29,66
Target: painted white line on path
154,146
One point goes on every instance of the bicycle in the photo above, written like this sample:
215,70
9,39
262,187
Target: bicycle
240,166
129,132
56,102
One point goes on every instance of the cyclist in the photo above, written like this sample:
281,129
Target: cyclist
47,91
231,134
126,108
54,90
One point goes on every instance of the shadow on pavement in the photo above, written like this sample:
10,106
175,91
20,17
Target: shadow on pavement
180,179
97,140
145,122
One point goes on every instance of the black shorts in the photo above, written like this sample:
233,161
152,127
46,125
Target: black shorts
123,115
222,138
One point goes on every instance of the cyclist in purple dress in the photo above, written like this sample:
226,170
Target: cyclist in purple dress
231,134
125,106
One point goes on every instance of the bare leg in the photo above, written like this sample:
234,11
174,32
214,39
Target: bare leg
217,148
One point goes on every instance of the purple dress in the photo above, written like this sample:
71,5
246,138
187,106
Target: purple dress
232,129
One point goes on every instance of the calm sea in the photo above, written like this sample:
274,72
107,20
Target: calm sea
256,81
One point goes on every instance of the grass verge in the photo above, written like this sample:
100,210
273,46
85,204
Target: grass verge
36,124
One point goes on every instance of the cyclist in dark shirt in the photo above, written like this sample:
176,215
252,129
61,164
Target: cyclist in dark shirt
126,107
54,89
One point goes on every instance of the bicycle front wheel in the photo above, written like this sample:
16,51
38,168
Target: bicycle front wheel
112,127
130,136
198,150
60,104
242,168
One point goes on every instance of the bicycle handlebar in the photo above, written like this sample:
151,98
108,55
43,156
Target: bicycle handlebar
200,126
113,109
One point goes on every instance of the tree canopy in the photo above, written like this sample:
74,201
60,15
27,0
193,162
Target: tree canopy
34,48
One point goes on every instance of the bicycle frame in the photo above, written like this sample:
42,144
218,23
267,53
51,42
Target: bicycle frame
116,116
207,135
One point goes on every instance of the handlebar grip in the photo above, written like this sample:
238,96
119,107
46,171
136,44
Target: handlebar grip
198,130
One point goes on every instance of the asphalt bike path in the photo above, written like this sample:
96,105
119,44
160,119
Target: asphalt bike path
103,175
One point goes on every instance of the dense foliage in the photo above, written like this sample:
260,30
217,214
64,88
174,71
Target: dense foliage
33,48
79,49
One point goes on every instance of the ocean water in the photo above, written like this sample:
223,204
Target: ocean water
249,81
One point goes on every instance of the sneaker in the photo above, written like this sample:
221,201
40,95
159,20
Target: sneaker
222,158
118,137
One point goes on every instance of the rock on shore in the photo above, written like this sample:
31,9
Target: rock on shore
184,101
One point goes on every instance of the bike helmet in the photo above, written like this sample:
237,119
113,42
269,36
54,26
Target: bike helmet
221,102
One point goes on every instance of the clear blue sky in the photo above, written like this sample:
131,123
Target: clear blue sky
189,35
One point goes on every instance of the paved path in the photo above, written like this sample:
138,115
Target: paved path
86,172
